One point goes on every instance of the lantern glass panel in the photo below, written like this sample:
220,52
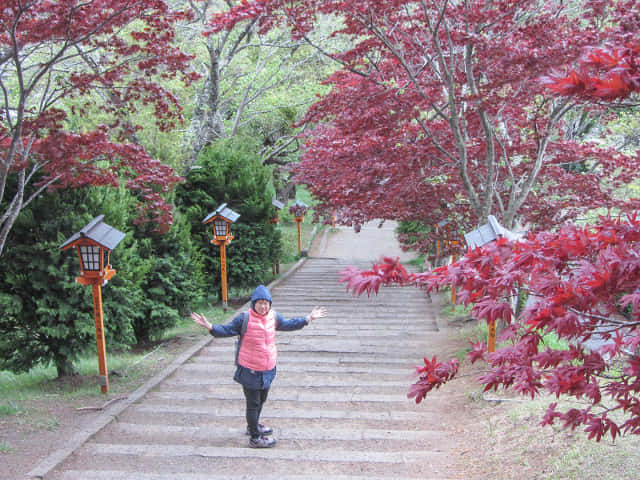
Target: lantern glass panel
220,228
90,256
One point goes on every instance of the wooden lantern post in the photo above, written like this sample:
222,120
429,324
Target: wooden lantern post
298,210
94,244
275,220
454,258
221,219
484,234
442,229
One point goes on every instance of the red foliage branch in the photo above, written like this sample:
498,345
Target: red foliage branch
399,137
609,72
582,285
68,57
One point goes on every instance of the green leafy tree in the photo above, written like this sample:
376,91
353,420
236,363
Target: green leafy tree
169,274
228,173
158,275
47,317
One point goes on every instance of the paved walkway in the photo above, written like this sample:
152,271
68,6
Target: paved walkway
338,405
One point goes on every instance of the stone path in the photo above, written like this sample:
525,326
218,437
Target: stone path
338,405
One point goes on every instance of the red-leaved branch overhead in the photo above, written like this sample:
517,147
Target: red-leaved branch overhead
437,112
610,71
60,63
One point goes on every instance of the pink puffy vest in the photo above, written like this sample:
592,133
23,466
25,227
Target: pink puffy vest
258,350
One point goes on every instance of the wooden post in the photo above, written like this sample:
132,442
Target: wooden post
298,222
223,273
453,287
492,336
100,343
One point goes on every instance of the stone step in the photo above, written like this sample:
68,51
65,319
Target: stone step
282,399
317,455
120,475
207,431
217,354
338,405
281,424
204,368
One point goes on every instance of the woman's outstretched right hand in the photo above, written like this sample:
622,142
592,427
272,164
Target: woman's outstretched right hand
201,320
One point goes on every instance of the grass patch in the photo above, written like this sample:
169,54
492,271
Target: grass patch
606,460
524,449
289,231
8,409
127,370
517,446
5,447
417,263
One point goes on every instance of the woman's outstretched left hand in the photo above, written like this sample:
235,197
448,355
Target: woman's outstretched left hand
201,320
317,312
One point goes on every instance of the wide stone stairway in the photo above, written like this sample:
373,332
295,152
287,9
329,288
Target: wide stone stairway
338,405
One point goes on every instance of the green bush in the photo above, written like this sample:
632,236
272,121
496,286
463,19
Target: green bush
47,317
232,174
168,271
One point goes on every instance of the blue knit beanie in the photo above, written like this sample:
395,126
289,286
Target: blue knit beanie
260,293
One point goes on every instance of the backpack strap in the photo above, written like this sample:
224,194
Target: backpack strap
243,330
245,322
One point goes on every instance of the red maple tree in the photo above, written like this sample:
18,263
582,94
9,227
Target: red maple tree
62,57
438,112
582,285
580,282
610,71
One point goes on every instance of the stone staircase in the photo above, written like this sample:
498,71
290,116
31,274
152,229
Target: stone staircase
338,405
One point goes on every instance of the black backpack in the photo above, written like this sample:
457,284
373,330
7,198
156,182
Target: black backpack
243,330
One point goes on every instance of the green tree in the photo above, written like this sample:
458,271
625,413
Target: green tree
47,317
228,173
168,272
158,275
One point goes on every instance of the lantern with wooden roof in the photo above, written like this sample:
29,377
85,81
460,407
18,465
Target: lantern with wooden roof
93,244
221,219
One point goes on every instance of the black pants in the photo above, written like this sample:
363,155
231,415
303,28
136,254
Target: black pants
255,400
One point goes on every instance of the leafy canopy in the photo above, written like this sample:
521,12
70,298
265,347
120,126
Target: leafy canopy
107,53
581,285
437,112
